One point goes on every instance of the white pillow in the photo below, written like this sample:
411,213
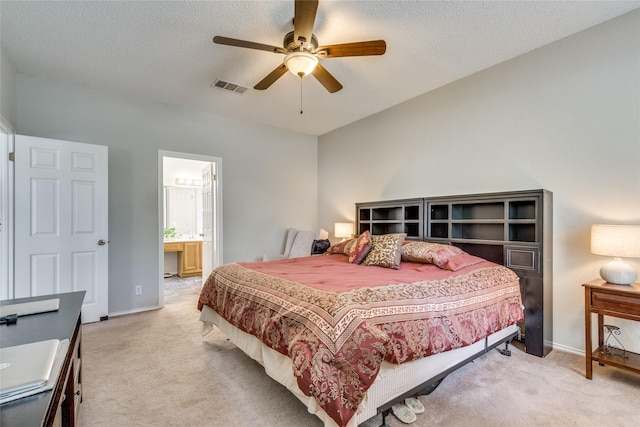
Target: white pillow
302,244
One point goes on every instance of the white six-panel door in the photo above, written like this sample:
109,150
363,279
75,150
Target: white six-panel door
61,221
208,180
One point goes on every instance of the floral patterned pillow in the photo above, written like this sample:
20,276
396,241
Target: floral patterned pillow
348,246
386,250
343,247
360,248
429,253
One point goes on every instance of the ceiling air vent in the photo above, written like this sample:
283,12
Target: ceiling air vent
231,87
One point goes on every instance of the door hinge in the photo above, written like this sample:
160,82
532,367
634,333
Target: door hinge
12,157
213,177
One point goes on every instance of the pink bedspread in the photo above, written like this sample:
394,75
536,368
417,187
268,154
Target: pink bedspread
338,321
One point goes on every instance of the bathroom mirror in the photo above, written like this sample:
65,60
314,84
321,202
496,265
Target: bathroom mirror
181,209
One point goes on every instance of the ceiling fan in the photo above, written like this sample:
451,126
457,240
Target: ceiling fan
302,52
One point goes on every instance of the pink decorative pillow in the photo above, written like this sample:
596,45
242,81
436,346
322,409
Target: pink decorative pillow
386,250
348,246
360,248
341,248
429,253
458,262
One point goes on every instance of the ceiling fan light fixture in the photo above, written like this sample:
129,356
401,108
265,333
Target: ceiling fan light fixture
300,63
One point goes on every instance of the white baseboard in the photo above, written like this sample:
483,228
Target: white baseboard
136,310
567,349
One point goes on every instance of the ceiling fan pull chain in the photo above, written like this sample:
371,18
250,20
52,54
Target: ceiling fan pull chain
300,94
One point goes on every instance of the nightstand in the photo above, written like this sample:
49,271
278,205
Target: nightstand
606,299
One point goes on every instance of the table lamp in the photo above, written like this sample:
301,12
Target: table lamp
344,230
616,241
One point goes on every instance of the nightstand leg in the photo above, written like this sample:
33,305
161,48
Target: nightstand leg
600,333
587,329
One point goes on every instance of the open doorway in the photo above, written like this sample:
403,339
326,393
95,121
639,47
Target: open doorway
190,223
6,211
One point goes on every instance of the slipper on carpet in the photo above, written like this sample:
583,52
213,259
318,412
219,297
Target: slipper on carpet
403,413
414,405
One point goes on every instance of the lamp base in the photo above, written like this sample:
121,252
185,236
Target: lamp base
618,272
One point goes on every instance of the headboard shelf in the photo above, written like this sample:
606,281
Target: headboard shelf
477,211
396,216
509,228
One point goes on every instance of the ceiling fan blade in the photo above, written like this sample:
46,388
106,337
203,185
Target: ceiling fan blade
326,79
271,78
373,47
304,18
251,45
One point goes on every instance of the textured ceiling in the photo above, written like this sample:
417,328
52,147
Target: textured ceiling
163,51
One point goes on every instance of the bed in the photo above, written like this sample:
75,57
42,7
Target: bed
349,339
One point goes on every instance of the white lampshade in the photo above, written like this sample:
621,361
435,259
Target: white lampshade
343,229
617,241
300,63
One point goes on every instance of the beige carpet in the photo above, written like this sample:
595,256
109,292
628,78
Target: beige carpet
155,369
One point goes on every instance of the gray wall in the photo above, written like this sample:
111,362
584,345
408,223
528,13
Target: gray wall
269,175
7,89
565,117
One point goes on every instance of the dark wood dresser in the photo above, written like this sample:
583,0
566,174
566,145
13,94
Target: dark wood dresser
59,406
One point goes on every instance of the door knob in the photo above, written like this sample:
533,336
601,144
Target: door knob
101,242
